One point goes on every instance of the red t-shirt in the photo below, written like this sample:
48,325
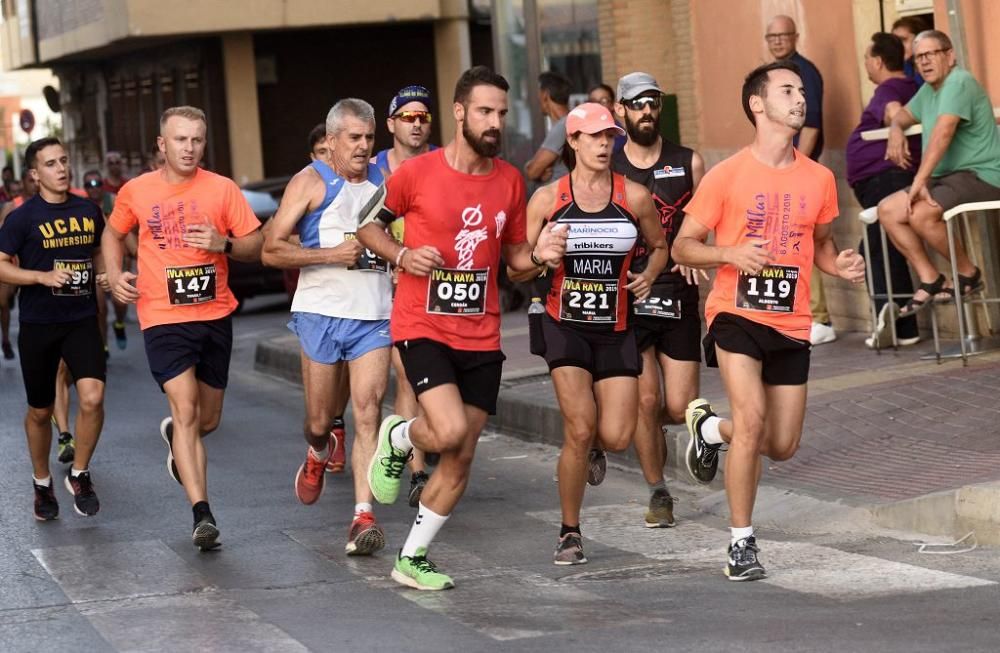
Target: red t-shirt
744,200
467,218
178,283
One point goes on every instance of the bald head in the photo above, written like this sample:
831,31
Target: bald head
781,36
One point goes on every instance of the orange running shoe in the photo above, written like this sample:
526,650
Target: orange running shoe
309,479
338,444
365,537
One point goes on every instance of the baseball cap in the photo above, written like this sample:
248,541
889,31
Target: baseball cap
590,118
409,94
635,84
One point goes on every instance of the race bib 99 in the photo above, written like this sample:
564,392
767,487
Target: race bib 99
660,303
457,292
81,280
191,284
772,289
589,300
368,261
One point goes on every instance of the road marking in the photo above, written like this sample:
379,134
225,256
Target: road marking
795,566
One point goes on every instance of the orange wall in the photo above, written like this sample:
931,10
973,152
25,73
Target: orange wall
982,40
729,42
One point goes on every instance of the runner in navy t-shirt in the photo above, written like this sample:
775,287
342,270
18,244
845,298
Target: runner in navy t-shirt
56,239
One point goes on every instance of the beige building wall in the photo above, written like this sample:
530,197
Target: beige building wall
243,116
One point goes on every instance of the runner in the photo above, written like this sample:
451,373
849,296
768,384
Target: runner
409,122
591,351
341,307
667,323
56,239
7,290
463,207
771,209
189,221
96,193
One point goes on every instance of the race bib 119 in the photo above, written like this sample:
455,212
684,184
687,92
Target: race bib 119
772,289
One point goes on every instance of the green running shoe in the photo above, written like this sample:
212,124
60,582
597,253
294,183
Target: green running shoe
420,573
386,466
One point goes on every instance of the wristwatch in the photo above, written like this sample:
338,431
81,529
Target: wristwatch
228,248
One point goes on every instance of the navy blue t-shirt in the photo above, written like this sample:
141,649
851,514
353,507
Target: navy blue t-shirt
813,83
42,236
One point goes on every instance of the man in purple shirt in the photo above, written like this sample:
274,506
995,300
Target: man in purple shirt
873,177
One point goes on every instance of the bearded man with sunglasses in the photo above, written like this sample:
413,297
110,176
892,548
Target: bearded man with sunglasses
667,323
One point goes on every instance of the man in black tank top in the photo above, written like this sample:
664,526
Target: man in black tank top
668,323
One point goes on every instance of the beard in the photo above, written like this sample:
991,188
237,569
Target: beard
643,136
478,143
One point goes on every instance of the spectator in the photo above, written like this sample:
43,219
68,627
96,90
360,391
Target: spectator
873,177
115,179
907,28
553,95
961,163
6,193
782,38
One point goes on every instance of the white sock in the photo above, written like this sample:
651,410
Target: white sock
737,534
710,430
74,472
425,528
399,436
320,454
44,482
362,507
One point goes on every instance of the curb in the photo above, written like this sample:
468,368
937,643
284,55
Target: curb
952,513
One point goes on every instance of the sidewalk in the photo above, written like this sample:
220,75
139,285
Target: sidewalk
881,430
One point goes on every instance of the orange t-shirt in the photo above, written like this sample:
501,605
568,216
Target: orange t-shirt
178,283
744,200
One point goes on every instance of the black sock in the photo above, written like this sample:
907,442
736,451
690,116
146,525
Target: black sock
568,529
338,422
201,511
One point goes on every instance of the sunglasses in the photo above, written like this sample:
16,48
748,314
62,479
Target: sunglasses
639,103
93,183
423,117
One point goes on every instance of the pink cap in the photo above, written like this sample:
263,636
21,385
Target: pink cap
590,118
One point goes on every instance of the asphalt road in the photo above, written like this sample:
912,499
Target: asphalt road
129,578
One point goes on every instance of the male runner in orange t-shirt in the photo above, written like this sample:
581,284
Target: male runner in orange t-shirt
189,220
771,209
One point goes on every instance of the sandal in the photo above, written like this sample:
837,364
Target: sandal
970,285
934,288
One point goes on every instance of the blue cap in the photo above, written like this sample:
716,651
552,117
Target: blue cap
409,94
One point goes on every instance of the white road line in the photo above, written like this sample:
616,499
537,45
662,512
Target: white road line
795,566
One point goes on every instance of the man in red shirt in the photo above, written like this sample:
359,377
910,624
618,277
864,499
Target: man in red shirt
464,208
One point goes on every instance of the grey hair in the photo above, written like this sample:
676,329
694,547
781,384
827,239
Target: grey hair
937,35
348,107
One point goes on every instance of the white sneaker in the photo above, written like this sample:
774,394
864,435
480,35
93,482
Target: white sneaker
902,342
821,334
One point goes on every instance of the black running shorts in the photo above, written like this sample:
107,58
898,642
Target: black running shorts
785,360
602,353
429,363
42,345
206,346
677,339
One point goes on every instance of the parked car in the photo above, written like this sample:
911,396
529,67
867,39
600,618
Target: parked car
251,279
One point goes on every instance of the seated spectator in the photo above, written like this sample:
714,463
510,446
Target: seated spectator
553,95
873,177
960,163
907,28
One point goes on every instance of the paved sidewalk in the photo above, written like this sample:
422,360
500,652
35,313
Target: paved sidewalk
879,427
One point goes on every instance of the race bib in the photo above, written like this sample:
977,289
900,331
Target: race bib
660,303
81,280
589,300
191,284
772,289
457,292
368,261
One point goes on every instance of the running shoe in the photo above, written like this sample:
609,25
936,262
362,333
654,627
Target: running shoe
46,506
420,573
386,466
417,482
702,459
205,535
660,513
120,338
743,563
84,498
167,433
338,443
309,479
597,466
67,448
8,351
569,551
364,537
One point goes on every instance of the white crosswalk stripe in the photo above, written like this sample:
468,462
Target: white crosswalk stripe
796,566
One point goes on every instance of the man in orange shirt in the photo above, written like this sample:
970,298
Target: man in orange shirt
771,209
189,221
